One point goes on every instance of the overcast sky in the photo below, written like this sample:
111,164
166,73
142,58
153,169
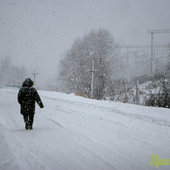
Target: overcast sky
36,33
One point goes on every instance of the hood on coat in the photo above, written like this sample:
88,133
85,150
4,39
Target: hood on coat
27,83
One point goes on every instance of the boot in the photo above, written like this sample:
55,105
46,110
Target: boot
26,124
30,125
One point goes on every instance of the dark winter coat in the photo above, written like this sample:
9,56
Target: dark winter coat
27,96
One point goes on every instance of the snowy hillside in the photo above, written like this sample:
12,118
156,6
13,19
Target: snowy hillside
74,133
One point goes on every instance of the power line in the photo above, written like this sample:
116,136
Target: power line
142,46
136,47
159,31
152,32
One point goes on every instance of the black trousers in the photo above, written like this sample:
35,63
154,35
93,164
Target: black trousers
29,117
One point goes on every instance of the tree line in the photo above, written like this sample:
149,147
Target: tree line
110,73
11,74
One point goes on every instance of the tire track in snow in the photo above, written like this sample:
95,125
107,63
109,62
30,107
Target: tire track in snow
89,140
20,146
149,119
98,148
115,111
76,136
145,118
7,158
56,123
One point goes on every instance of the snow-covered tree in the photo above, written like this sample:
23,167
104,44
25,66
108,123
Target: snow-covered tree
75,68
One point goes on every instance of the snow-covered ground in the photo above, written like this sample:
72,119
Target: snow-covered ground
74,133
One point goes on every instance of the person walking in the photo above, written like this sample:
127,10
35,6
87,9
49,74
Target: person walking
27,96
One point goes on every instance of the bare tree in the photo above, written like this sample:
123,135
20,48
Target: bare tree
5,64
11,74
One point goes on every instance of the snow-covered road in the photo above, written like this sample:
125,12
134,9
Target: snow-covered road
74,133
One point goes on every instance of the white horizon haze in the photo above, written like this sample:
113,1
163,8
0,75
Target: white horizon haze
36,34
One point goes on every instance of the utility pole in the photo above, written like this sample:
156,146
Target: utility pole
34,74
151,52
137,92
127,47
152,32
92,78
128,64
